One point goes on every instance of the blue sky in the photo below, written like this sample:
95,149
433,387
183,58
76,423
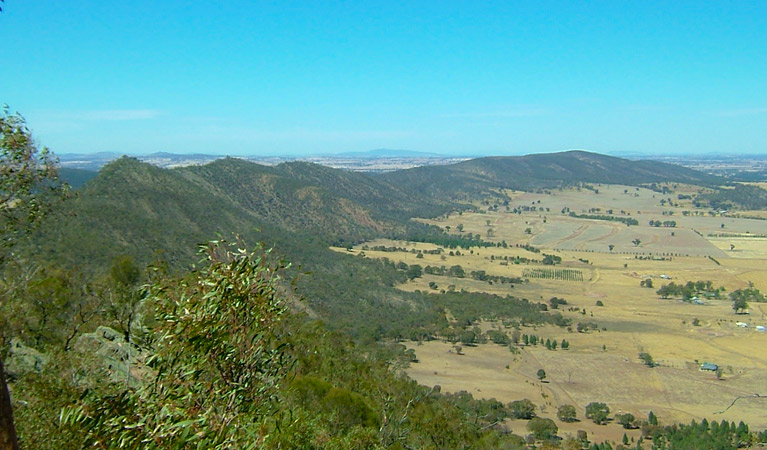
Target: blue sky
470,78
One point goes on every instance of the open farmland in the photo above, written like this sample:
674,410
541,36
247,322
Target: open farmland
602,363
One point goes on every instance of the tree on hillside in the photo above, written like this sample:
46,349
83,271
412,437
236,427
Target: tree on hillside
597,412
522,409
566,413
741,297
627,420
636,242
739,304
542,428
123,296
28,178
541,374
647,359
414,271
611,247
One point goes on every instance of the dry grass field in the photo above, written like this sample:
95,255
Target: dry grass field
603,364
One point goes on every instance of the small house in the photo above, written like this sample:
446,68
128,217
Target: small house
742,324
760,328
709,366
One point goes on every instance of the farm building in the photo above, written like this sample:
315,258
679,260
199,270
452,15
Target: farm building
760,328
742,324
709,366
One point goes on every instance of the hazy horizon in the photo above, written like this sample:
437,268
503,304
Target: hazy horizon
417,154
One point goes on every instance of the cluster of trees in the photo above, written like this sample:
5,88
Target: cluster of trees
392,249
665,223
481,275
551,260
598,412
690,289
746,195
556,301
741,297
705,435
585,327
454,241
453,271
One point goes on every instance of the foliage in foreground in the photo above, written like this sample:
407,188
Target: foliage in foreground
226,365
215,368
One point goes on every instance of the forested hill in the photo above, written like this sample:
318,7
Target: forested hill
148,212
549,170
302,195
139,209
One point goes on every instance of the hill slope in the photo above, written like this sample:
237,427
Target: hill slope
136,208
550,170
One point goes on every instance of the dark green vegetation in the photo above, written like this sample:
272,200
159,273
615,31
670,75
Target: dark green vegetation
218,361
627,220
742,195
741,297
702,436
689,291
76,178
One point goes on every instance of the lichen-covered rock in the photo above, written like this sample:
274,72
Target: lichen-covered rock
117,356
23,359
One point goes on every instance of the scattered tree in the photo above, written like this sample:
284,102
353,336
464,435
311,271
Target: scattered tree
541,374
627,420
647,359
566,413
